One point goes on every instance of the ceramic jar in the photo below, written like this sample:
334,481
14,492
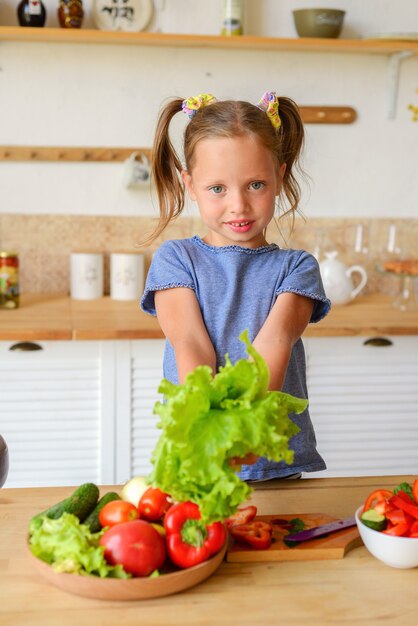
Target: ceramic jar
70,13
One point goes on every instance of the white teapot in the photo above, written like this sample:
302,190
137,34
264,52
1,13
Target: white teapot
337,281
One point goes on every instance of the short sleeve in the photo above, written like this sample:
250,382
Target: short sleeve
168,269
304,279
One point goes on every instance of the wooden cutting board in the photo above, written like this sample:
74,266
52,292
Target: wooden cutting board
332,546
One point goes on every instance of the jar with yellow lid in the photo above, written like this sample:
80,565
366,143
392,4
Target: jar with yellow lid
9,280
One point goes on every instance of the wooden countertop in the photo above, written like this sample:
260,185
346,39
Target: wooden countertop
358,589
56,316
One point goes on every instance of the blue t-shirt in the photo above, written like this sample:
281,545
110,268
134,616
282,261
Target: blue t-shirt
236,288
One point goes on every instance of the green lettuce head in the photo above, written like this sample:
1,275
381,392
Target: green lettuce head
208,421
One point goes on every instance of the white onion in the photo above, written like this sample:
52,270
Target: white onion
132,490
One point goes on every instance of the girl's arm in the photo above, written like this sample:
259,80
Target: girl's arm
181,321
284,325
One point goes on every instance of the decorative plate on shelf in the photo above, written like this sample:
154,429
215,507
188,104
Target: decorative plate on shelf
167,583
123,15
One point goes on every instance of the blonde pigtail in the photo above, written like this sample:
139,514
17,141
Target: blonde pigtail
292,137
166,170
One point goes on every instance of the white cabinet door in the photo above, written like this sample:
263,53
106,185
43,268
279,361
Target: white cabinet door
364,404
57,413
139,373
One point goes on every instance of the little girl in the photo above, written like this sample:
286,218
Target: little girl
239,158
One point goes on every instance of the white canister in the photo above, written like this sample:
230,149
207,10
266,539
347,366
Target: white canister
126,275
86,275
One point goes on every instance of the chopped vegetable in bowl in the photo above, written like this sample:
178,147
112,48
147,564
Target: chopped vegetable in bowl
388,525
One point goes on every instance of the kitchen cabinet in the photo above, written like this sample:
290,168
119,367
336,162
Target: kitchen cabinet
83,410
364,403
138,374
57,412
79,411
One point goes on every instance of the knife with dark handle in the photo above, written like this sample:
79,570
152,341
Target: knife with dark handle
320,531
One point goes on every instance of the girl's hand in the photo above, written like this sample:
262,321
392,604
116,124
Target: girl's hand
248,459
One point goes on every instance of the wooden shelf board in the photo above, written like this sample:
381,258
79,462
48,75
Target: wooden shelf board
245,42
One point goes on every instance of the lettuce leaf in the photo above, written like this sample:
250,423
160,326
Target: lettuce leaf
207,421
69,546
406,488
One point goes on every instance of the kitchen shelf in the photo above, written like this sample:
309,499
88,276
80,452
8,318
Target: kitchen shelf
245,42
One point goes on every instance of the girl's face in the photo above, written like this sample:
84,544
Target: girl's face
234,182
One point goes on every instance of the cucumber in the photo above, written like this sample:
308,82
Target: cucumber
80,503
373,519
92,520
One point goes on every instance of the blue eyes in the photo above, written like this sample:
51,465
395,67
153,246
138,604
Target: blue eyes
216,189
256,186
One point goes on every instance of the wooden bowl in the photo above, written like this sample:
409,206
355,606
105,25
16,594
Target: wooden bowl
132,588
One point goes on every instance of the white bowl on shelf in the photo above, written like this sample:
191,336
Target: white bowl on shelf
399,552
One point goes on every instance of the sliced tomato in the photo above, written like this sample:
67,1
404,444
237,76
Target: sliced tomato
241,516
415,490
383,507
376,496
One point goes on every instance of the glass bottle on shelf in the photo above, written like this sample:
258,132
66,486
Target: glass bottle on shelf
70,13
31,13
232,17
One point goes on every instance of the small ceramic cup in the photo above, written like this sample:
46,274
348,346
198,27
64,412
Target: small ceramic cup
86,275
126,275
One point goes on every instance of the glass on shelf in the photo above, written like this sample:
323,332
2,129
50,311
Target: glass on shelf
394,260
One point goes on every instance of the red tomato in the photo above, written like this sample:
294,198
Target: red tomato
137,546
153,504
117,512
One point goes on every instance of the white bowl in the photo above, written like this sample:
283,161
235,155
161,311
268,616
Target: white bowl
401,552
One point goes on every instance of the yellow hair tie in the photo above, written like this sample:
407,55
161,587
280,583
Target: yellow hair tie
192,105
270,104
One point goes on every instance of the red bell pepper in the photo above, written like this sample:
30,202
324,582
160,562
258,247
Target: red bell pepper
398,516
189,541
415,490
379,495
404,496
398,530
241,516
413,530
258,535
408,507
